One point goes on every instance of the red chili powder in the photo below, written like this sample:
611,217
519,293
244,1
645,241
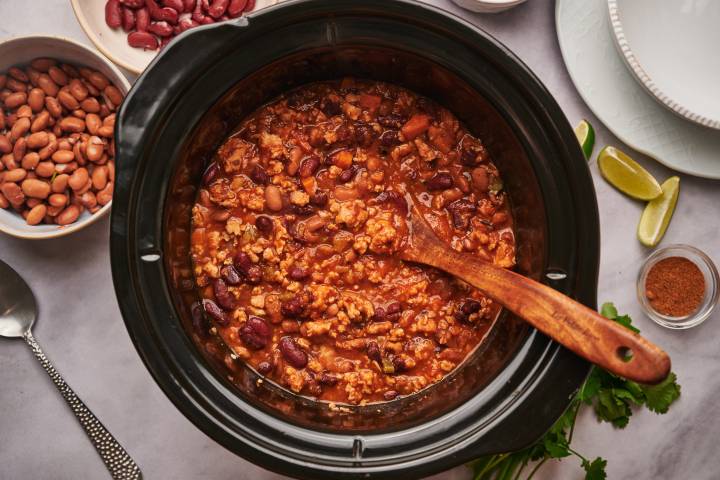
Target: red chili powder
675,287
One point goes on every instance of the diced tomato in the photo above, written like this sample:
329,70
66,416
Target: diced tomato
417,125
370,102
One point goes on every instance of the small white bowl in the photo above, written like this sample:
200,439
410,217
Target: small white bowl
20,51
113,43
488,6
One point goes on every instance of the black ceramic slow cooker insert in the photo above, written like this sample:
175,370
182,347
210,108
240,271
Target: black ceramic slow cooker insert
512,388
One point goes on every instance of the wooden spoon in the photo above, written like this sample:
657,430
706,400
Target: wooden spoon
582,330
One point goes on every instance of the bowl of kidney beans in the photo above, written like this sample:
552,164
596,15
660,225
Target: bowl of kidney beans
132,32
58,101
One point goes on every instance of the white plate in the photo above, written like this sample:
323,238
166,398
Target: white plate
113,43
671,46
610,90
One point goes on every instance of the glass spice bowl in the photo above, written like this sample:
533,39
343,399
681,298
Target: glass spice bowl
709,301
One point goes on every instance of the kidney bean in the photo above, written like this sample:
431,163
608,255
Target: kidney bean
256,333
35,188
292,353
309,166
294,308
264,368
161,29
251,271
184,24
440,181
174,4
37,140
347,175
265,224
133,3
236,7
230,274
215,312
460,212
128,19
211,172
393,198
142,19
259,175
218,8
297,272
390,395
142,40
223,296
113,14
373,351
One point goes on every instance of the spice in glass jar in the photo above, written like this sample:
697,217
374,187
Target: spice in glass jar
675,287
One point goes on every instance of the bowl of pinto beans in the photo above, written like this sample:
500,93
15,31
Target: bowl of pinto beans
58,101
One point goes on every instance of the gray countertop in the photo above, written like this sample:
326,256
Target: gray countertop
81,329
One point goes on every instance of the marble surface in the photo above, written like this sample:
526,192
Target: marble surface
81,329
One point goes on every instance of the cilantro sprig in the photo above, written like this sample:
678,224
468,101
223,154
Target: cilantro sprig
611,397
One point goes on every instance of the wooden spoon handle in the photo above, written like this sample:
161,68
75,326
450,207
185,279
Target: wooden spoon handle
582,330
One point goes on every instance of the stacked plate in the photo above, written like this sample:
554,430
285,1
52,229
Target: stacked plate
488,6
649,70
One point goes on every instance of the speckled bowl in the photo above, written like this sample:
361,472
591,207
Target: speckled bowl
20,51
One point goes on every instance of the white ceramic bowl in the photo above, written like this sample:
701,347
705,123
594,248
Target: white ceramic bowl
21,51
671,49
113,43
488,6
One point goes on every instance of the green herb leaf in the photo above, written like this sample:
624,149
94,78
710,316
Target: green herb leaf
608,310
595,470
613,399
658,398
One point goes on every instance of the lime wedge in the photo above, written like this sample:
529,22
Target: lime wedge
658,212
586,136
625,174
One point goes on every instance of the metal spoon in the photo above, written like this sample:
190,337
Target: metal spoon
18,311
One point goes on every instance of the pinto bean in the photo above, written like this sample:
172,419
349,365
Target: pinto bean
69,215
273,198
36,214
